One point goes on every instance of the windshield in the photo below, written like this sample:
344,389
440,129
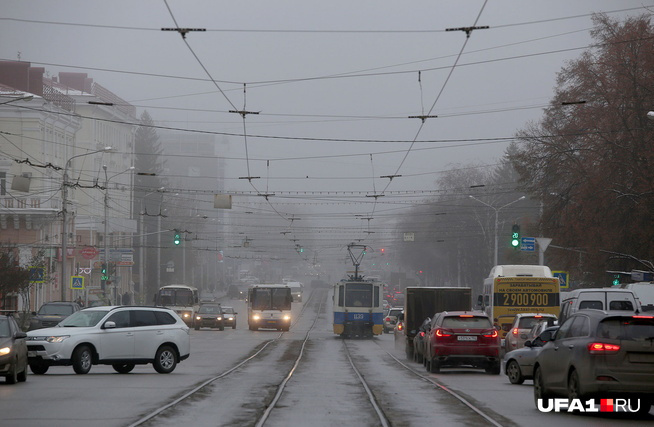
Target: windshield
358,295
229,310
627,328
209,309
83,318
271,299
4,328
56,310
176,297
466,322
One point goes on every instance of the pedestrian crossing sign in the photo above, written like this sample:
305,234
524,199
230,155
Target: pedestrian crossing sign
77,282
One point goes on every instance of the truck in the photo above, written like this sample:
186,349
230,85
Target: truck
423,302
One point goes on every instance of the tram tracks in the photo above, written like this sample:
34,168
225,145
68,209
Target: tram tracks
269,411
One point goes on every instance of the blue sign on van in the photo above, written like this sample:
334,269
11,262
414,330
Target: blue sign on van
563,278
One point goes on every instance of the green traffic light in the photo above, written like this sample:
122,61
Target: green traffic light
177,239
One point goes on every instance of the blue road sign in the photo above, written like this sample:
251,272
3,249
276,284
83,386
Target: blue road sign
528,244
77,282
37,274
563,278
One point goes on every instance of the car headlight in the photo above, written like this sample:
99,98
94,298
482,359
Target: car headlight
230,318
5,350
287,317
57,339
198,318
219,318
256,317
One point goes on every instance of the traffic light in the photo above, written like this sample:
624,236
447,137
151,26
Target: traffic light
383,251
105,273
177,240
616,279
515,236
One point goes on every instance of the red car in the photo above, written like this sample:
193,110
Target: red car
463,338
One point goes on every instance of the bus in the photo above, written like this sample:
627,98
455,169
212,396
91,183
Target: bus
513,289
269,306
183,299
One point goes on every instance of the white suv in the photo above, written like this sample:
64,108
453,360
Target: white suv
119,336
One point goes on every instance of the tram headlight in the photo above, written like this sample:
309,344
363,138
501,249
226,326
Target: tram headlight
287,317
198,318
256,317
219,318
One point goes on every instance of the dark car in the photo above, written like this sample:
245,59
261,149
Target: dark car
51,313
463,338
229,316
420,341
599,354
519,364
13,351
209,316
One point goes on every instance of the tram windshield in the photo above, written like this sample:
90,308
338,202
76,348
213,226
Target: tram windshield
271,299
358,295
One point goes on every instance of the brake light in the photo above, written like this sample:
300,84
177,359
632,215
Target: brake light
466,315
422,334
515,331
602,348
400,327
643,317
440,333
493,334
388,319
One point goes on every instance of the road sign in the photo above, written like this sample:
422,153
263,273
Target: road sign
528,244
37,274
563,278
89,252
77,282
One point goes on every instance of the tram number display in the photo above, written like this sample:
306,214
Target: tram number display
358,316
524,299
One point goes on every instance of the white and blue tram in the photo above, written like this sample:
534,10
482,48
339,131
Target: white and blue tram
358,308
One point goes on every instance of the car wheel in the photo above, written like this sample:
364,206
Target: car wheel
12,376
221,327
514,373
82,360
196,327
234,325
494,369
40,367
540,392
574,387
123,368
165,360
434,367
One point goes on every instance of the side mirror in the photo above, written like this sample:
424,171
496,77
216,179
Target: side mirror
480,300
20,335
528,343
34,313
109,324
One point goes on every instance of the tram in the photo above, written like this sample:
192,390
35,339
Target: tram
358,304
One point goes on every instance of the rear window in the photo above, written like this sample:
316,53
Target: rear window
475,322
530,322
627,328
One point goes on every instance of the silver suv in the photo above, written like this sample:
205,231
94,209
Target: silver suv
118,336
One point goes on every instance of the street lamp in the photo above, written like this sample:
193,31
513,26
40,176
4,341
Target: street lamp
141,250
106,208
497,210
64,214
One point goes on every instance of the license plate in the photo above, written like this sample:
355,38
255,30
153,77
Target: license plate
272,321
31,354
641,357
466,338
